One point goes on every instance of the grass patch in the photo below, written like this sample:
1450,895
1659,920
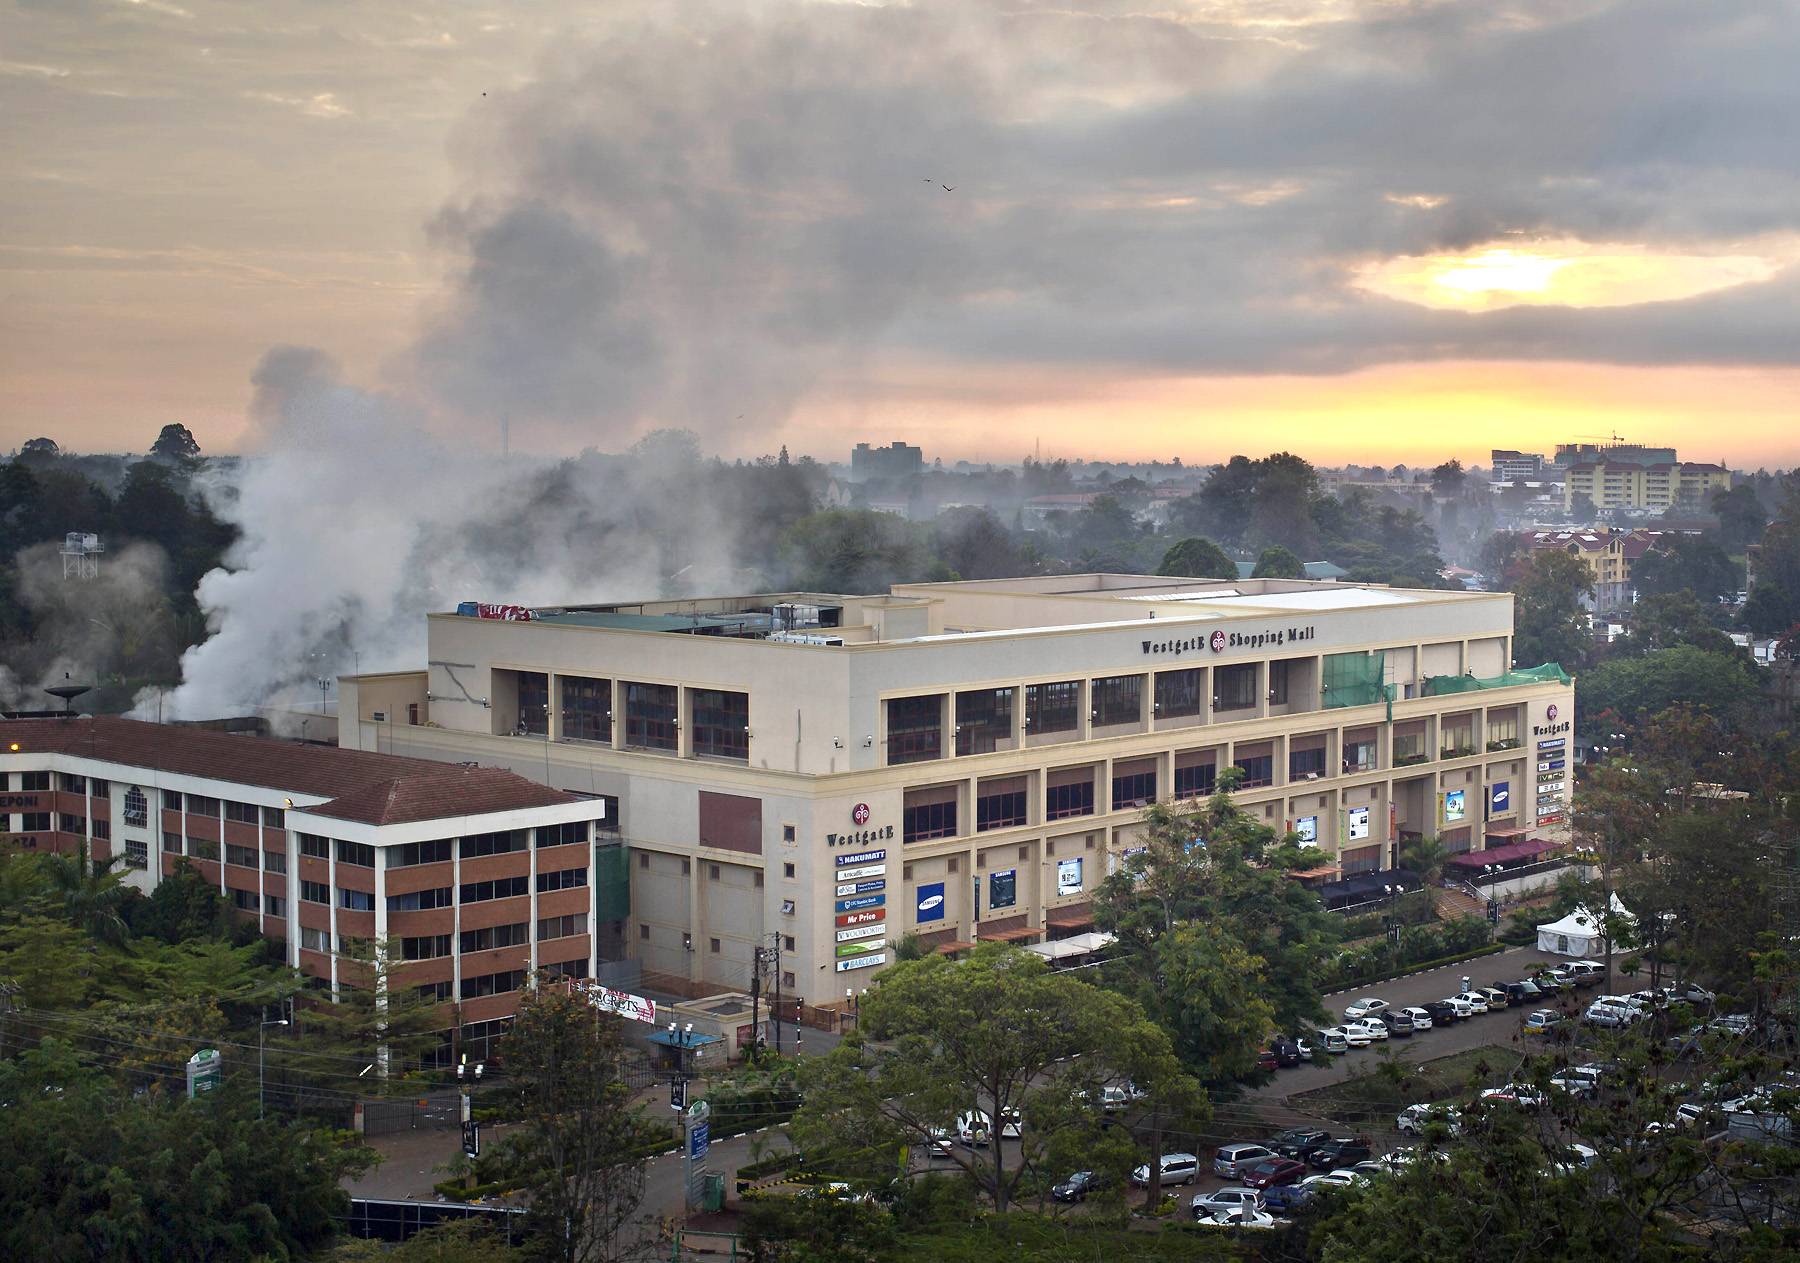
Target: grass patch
1400,1081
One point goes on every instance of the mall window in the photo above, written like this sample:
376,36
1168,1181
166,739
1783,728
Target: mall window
1278,682
1118,699
915,728
984,720
1195,780
721,724
1133,784
1052,707
1234,688
586,709
1304,765
1000,804
1258,769
1503,730
920,822
1069,795
651,717
1178,693
534,704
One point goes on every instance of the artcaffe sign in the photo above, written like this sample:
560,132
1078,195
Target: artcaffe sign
1220,640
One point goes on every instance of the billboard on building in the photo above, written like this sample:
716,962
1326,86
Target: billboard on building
931,902
1356,824
1003,888
1499,798
1308,829
1068,876
1455,805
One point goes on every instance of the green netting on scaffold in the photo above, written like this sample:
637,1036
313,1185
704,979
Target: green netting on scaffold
1356,679
1440,685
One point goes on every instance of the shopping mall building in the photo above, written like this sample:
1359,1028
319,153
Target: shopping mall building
967,761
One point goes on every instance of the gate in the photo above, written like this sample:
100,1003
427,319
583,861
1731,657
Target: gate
435,1111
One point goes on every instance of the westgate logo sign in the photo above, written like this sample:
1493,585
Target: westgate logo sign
1220,641
862,837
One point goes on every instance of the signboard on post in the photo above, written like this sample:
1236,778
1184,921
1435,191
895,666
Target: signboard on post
633,1008
678,1094
205,1069
699,1140
471,1139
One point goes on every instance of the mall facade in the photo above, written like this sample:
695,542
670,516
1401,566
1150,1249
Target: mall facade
821,775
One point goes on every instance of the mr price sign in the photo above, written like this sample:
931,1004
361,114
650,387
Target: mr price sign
868,917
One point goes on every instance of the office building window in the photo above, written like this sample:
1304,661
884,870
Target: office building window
243,813
172,843
242,856
915,729
1052,707
313,940
439,991
564,879
577,968
1306,764
317,847
787,870
412,854
103,830
315,892
984,720
274,817
1234,688
500,888
492,984
137,808
197,805
1258,769
493,936
275,905
534,704
1133,789
72,783
203,848
1503,729
1118,699
1178,693
356,900
420,900
562,927
1000,805
34,781
923,821
562,834
652,716
1196,780
244,900
67,823
137,853
503,842
171,800
721,724
1075,798
586,709
1359,756
358,854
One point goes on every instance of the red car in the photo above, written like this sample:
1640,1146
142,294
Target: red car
1274,1171
1266,1059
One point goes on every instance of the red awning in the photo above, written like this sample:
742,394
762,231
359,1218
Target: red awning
1071,916
1511,853
954,946
1009,936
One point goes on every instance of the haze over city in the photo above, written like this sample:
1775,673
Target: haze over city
1367,231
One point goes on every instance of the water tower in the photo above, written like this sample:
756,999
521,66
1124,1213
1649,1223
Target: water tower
81,555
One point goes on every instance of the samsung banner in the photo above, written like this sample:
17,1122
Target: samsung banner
931,902
1500,798
1003,889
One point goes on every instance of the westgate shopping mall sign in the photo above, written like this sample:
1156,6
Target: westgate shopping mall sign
1219,641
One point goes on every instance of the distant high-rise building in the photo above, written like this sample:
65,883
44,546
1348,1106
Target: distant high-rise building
1613,453
1511,466
1614,484
896,460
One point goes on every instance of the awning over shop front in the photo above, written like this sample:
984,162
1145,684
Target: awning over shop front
1073,916
1016,934
953,946
1511,853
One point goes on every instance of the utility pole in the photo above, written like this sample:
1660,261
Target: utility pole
775,953
262,1027
756,960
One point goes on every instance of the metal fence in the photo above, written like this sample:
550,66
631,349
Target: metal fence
436,1111
399,1220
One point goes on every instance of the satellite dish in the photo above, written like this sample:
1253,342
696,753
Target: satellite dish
68,692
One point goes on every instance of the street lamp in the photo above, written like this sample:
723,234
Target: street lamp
1393,893
261,1030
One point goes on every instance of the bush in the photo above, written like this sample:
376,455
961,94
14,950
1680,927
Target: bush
1420,945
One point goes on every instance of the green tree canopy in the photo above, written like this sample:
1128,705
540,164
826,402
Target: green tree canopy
175,442
1637,688
1197,558
1549,624
1278,563
1686,563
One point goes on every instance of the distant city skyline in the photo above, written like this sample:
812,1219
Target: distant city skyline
1357,230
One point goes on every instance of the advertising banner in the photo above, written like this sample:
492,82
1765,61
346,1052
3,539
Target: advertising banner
1068,876
860,857
1003,888
865,901
862,962
1455,805
1357,822
1499,798
860,887
931,902
868,916
861,949
862,932
1308,829
873,870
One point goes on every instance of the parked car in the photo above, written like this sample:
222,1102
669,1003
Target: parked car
1495,997
1287,1052
1334,1179
1368,1006
1421,1020
1547,981
1464,1009
1397,1022
1242,1217
1340,1152
1285,1199
1177,1168
1333,1040
1521,1094
1604,1013
1353,1037
1374,1027
1578,1080
1585,973
1442,1012
1076,1188
1272,1171
1266,1059
1235,1161
1415,1118
1226,1199
1298,1142
1476,1000
1521,991
1692,993
1542,1022
942,1145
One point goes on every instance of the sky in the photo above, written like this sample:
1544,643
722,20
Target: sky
1357,229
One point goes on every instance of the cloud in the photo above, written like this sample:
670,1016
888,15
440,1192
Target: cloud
318,105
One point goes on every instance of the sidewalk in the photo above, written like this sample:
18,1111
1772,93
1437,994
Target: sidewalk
409,1162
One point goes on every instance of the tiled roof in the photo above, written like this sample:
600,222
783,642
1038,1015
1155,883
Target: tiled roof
360,784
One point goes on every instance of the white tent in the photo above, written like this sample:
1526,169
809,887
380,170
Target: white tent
1579,934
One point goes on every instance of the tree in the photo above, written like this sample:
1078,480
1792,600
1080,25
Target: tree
1686,563
377,1018
586,1182
459,1241
92,896
1548,622
94,1171
1197,558
1637,688
1669,619
1447,479
39,449
1774,602
1741,517
1278,563
176,444
183,906
997,1032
